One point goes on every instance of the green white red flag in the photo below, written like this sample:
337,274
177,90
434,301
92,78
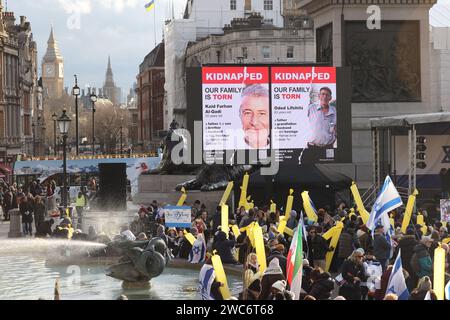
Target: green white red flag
294,270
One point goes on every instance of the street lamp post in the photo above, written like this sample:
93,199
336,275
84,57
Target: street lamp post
64,123
121,146
54,118
76,93
93,99
33,126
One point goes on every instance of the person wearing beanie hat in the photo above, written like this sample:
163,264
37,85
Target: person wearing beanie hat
424,286
278,291
279,285
272,274
322,286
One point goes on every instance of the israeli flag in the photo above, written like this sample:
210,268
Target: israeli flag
397,284
198,251
206,279
302,222
388,199
447,291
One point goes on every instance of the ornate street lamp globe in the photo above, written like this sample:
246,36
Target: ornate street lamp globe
64,123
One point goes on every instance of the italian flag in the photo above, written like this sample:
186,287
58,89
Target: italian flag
294,269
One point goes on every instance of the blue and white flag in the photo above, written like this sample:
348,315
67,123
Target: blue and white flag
447,291
198,251
388,199
206,279
302,221
397,283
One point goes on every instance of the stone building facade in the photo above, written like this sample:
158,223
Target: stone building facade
150,99
18,88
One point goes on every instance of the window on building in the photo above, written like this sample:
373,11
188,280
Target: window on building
268,4
266,52
268,21
290,52
232,4
244,53
247,5
230,54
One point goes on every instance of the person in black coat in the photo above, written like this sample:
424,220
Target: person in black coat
45,229
224,247
39,211
322,287
381,247
277,251
26,210
319,248
406,244
353,273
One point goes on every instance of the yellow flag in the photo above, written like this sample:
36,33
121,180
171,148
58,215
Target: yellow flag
408,210
359,204
334,241
189,237
182,198
259,245
224,226
227,192
308,207
220,275
290,200
439,273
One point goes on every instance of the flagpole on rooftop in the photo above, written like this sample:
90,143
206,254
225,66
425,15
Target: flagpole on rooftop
154,24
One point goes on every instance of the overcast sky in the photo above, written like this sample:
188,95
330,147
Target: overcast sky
121,28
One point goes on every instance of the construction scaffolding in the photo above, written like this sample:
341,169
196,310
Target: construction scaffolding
385,155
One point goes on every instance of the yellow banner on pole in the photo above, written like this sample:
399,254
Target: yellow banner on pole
189,236
273,206
439,273
420,220
224,225
333,244
243,198
409,210
182,198
226,194
308,207
235,230
289,202
282,224
220,275
259,246
359,204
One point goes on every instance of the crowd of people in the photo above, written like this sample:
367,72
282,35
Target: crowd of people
37,203
360,268
361,264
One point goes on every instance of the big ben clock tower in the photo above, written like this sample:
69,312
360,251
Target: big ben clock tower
53,69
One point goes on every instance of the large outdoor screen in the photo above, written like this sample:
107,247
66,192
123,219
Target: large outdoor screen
300,114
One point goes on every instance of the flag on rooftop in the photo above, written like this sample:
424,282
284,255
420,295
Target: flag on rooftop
149,6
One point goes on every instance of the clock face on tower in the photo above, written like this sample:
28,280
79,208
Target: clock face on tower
49,70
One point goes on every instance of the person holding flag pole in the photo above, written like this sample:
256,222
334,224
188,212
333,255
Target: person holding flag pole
397,282
388,199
